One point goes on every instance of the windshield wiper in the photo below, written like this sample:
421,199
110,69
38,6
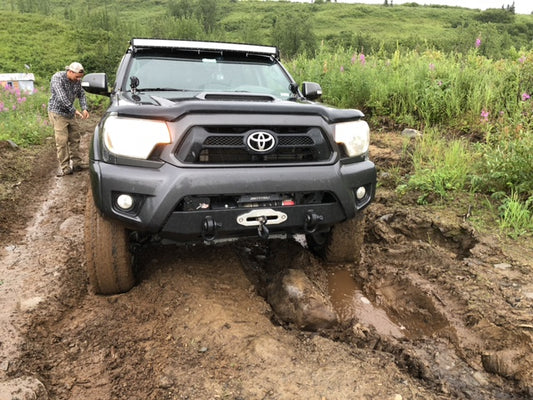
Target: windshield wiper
161,90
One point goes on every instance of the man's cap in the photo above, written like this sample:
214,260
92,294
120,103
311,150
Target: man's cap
75,67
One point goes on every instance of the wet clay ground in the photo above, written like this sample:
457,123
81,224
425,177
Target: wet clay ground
436,310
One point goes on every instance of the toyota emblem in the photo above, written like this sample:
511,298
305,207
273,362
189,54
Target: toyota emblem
261,142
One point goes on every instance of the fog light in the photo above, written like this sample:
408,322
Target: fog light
360,193
125,202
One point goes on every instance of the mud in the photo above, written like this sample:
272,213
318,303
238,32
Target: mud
436,310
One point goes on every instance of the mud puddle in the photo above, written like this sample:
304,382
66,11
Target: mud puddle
396,309
408,327
351,304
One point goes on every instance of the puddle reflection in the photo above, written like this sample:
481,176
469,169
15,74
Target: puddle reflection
351,304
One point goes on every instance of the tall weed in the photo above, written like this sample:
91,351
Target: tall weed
516,216
24,116
439,166
421,89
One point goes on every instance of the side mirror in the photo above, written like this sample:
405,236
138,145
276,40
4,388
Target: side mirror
311,90
95,83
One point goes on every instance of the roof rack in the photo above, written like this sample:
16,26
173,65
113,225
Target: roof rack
201,45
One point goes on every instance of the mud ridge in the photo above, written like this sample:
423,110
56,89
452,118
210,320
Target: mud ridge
429,349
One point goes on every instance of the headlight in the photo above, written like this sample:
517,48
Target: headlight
132,137
354,135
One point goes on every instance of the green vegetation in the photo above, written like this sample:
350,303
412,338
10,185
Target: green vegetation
23,116
463,77
98,31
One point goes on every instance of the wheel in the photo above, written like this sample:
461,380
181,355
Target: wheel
342,243
109,261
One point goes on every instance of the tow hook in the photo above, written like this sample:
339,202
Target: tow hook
209,228
311,221
262,230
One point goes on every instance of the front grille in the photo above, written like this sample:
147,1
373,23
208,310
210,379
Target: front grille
227,145
223,141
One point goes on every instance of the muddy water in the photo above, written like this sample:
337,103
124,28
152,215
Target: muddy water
351,304
403,310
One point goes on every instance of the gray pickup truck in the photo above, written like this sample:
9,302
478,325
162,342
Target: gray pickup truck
209,141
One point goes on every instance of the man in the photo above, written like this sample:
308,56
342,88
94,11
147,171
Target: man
65,87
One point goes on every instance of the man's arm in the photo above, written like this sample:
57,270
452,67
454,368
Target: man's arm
83,103
83,99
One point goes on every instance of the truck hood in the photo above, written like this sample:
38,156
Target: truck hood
170,108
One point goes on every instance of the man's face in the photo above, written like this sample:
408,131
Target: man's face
74,76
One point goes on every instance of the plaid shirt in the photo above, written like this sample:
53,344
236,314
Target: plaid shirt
64,92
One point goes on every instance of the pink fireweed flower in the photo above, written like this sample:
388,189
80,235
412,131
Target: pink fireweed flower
525,96
354,58
478,42
342,68
522,60
432,66
484,115
362,58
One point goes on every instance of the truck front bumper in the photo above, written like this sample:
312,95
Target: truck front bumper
158,192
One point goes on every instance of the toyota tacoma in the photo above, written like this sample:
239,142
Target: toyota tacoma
209,141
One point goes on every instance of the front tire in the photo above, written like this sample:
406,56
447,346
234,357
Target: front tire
109,261
343,243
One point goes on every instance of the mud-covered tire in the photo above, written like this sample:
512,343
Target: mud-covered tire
342,243
109,261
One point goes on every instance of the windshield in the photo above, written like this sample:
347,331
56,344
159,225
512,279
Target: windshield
260,75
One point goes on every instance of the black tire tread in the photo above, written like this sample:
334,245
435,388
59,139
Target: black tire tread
342,244
109,262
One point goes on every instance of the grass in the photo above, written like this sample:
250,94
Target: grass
516,216
24,116
440,167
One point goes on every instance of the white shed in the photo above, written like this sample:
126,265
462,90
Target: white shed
21,81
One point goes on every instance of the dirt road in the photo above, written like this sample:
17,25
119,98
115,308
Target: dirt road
436,311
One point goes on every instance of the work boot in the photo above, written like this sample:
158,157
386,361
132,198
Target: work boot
62,172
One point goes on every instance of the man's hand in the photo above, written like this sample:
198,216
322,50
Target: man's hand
83,115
